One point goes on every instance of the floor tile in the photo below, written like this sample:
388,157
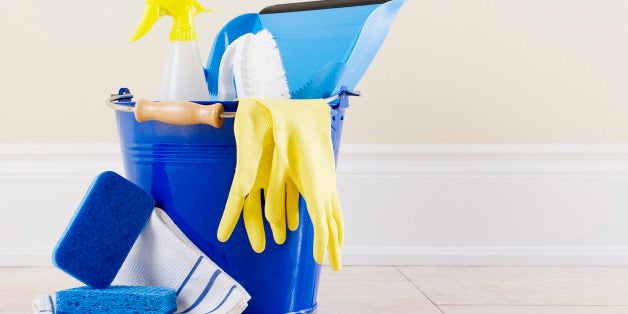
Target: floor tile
535,309
361,289
377,289
522,285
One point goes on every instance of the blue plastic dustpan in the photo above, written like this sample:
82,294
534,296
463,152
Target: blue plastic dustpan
324,44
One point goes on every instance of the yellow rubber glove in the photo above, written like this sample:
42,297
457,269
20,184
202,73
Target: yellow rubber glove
254,153
303,161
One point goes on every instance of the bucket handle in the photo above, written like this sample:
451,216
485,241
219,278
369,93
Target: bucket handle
181,112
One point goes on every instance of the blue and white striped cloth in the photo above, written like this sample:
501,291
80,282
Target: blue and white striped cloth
43,304
163,256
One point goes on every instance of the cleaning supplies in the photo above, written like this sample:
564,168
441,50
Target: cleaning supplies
164,256
304,157
111,236
189,169
116,299
252,67
183,77
103,230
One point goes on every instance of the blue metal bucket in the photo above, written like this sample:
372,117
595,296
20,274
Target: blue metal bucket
189,169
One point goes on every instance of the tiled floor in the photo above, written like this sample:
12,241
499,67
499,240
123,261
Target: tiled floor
455,290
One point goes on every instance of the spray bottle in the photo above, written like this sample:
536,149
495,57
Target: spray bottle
183,77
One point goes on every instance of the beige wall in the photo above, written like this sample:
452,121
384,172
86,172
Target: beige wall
450,71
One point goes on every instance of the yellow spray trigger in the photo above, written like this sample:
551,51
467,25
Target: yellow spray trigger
182,11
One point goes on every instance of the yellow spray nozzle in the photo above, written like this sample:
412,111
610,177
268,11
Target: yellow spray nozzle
182,12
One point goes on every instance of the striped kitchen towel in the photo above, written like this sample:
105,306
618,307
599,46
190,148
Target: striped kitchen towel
43,304
163,256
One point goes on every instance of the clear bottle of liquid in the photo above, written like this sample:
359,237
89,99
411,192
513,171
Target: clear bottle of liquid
183,76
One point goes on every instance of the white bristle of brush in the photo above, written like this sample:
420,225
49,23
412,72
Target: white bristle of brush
263,73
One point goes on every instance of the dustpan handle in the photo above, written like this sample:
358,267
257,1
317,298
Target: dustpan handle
317,5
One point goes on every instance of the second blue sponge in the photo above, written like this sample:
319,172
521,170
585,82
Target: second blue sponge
116,300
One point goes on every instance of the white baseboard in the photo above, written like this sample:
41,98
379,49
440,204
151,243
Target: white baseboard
415,256
415,204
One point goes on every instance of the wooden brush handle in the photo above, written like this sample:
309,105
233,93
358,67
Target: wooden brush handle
179,112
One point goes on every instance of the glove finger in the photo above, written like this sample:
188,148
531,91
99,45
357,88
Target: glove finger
275,202
292,205
321,233
253,221
230,216
335,258
279,230
338,217
263,170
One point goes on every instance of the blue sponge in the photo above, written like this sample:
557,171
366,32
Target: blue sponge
103,230
116,300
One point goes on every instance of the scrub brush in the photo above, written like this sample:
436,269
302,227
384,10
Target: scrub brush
263,73
253,63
